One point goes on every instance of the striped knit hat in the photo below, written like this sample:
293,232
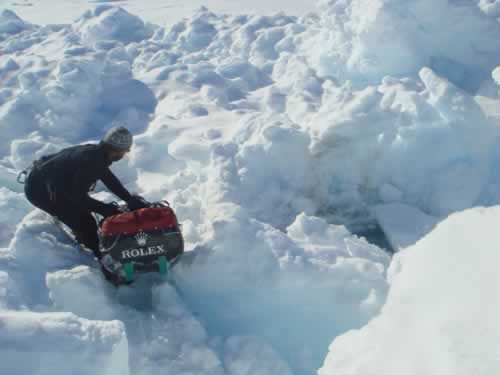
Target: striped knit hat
118,138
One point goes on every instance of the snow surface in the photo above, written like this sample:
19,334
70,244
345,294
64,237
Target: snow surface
404,225
291,148
38,343
441,311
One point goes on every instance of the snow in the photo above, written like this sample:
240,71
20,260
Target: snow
413,35
168,336
106,22
14,207
160,12
298,150
403,224
441,310
48,343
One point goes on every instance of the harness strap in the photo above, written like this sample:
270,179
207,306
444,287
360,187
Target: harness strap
37,164
23,175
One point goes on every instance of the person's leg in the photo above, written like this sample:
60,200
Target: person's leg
88,234
80,221
35,192
83,225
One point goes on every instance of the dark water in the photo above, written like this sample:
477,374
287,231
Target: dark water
375,235
358,220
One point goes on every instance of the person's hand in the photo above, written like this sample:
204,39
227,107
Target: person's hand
109,210
136,202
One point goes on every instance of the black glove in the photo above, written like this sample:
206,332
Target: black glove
136,202
109,209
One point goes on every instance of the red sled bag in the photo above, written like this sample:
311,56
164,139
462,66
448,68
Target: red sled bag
142,236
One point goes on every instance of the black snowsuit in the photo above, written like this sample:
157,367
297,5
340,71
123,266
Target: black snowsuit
59,184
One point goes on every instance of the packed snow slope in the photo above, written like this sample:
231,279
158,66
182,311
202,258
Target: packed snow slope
442,309
278,140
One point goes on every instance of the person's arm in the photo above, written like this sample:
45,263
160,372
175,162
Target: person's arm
134,202
114,185
104,209
80,196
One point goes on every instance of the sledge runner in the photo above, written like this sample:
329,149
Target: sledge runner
59,185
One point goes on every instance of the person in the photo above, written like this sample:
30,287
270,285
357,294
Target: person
59,184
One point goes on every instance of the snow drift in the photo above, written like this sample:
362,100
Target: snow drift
442,304
48,343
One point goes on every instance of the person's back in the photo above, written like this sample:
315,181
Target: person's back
74,169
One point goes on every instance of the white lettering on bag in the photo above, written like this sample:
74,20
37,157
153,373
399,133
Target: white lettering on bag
143,251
